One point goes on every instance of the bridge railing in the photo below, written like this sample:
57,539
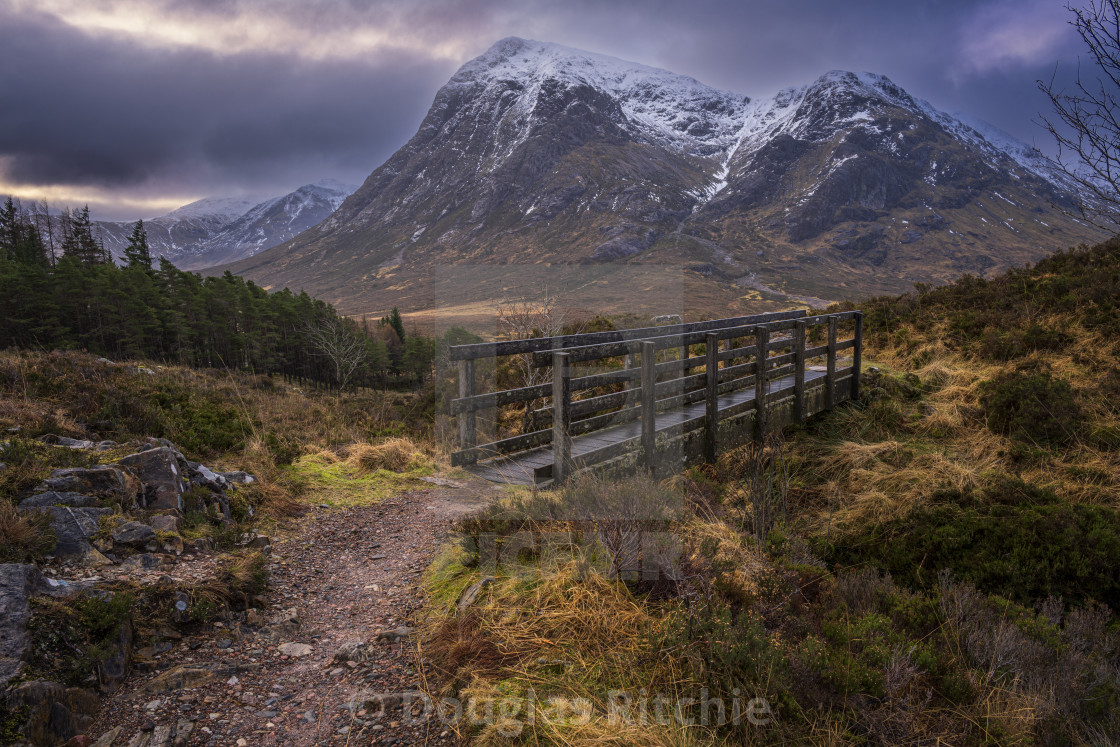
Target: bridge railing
604,379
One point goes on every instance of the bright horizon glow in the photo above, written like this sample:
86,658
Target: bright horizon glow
245,33
108,205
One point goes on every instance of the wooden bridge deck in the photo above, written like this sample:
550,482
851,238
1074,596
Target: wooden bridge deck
535,465
610,414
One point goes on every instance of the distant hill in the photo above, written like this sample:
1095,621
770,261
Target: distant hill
539,154
213,231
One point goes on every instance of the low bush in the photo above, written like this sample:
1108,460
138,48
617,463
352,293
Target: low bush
1034,407
1015,343
1012,539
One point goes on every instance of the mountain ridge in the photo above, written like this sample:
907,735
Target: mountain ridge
215,230
535,153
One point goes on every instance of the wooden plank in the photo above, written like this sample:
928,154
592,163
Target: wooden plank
730,373
711,402
780,373
532,345
799,372
649,402
857,356
605,421
561,417
830,376
664,341
499,399
631,388
782,360
468,430
762,337
504,446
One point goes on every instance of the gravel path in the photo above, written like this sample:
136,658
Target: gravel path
352,577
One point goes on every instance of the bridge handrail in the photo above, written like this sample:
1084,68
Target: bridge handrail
669,341
571,416
477,350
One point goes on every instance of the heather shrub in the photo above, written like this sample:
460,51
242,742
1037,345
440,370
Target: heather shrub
1031,406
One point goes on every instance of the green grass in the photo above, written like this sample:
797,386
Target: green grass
339,485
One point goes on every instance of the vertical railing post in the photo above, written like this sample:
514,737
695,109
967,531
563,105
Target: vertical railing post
799,372
857,355
830,377
467,431
561,417
761,355
649,403
711,368
684,355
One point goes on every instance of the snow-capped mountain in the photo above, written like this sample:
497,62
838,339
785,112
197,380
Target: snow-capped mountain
536,153
212,231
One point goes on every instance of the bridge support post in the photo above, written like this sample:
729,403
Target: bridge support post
762,365
631,386
857,355
799,372
467,430
830,377
649,404
561,418
711,368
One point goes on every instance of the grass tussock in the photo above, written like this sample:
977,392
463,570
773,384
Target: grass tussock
394,455
24,536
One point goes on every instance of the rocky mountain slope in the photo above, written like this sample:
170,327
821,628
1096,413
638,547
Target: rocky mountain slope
212,231
538,154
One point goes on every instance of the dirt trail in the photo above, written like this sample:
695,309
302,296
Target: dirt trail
350,574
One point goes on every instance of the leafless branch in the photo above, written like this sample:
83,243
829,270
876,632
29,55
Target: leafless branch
344,346
1085,124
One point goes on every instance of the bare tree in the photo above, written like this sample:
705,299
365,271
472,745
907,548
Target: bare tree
342,344
1086,125
524,318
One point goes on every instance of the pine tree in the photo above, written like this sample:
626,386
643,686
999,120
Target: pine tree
137,253
20,239
78,241
9,230
394,320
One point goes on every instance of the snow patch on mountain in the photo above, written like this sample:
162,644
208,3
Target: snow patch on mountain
672,109
224,209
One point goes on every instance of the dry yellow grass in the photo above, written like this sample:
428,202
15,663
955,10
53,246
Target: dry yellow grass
394,454
848,455
23,535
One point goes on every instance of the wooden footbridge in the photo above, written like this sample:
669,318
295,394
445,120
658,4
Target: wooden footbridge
658,398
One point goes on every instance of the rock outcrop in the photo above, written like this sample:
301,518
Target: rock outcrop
18,582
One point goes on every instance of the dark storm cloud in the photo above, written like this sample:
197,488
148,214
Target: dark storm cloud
216,96
81,110
978,57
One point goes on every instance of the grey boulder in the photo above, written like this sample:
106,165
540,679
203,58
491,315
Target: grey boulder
239,477
75,528
100,481
133,533
17,583
165,523
162,472
52,498
55,712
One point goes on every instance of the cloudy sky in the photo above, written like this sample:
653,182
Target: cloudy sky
138,106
